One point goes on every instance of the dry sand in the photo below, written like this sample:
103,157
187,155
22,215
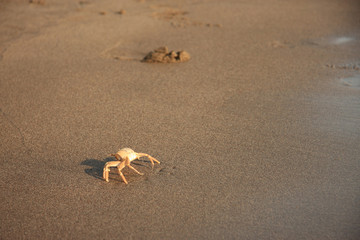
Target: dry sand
257,136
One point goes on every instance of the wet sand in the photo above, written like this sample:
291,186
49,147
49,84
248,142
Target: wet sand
258,134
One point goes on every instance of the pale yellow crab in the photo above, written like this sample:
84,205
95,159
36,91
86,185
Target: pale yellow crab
124,157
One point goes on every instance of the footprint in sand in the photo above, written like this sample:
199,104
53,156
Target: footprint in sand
281,44
123,51
84,3
170,170
121,12
177,17
37,2
347,66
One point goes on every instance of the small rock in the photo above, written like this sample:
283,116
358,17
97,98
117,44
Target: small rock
156,57
184,56
121,12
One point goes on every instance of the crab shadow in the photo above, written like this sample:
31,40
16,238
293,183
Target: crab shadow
96,166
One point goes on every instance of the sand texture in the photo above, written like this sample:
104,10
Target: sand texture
258,134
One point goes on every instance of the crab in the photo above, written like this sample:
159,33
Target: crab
124,157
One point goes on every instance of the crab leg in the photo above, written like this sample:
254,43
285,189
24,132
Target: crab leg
106,175
106,169
148,156
135,169
120,167
123,177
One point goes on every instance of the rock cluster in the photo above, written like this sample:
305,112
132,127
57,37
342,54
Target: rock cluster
162,55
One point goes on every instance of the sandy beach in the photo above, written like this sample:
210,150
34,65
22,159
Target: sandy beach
258,134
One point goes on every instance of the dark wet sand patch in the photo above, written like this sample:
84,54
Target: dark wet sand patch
329,41
353,81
